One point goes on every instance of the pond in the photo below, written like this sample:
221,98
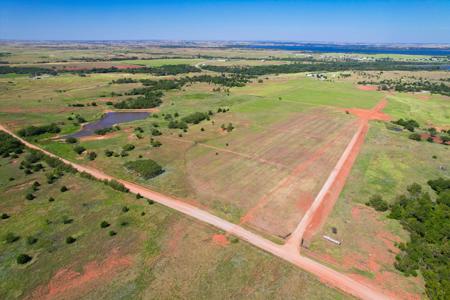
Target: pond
108,120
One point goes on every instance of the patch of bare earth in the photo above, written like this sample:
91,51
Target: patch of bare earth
70,284
370,260
367,87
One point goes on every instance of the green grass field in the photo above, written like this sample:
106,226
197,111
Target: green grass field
277,124
297,88
156,253
430,111
387,164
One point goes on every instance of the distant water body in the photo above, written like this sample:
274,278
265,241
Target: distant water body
352,49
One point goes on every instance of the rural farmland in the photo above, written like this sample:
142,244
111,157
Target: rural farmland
200,168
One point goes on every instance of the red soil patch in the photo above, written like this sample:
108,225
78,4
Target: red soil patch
371,114
367,87
175,238
335,189
304,201
423,96
67,281
220,239
356,213
389,240
436,139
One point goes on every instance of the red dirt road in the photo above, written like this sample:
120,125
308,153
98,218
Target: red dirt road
328,195
325,274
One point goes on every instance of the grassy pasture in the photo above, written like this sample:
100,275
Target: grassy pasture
230,173
273,140
152,256
428,110
298,88
387,164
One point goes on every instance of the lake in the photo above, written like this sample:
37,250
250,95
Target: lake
108,120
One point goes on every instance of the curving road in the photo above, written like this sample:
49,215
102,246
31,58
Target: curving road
287,252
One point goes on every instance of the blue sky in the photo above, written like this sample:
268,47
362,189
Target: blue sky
321,20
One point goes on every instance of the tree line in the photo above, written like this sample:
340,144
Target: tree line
159,71
415,86
322,67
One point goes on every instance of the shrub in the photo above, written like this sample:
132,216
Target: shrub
4,216
38,130
439,185
35,186
138,196
23,259
70,240
92,156
195,117
408,124
112,233
79,149
64,189
124,223
71,140
155,132
116,185
104,224
128,147
67,220
51,199
109,153
155,143
104,131
150,202
234,240
377,202
415,137
146,168
11,237
174,124
9,144
125,209
30,196
31,240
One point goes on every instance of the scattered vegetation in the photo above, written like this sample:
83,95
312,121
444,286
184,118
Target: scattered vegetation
407,124
146,168
38,130
428,223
